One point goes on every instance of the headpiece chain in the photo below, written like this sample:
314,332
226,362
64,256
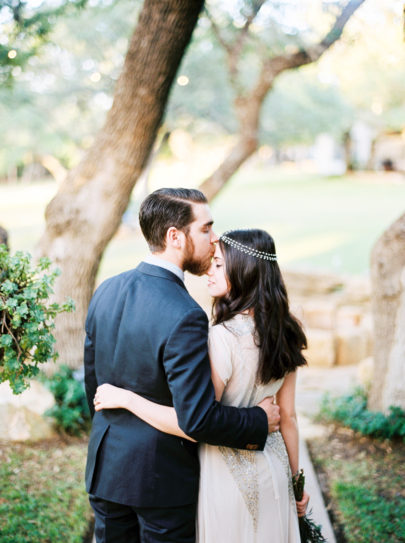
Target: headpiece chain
247,250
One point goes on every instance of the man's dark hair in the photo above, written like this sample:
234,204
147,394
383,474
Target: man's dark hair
165,208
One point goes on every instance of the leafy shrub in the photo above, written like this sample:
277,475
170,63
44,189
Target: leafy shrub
351,410
71,411
26,319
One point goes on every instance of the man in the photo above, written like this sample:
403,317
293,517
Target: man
145,333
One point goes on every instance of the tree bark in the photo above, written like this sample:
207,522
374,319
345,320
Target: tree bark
87,210
388,306
248,103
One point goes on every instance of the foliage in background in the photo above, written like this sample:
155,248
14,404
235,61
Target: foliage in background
71,411
26,317
59,100
25,30
43,498
351,410
60,97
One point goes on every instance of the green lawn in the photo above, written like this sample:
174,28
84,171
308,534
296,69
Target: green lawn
327,224
42,495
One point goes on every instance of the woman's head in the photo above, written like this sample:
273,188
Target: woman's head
241,258
244,275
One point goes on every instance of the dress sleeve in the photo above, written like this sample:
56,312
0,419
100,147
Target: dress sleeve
220,351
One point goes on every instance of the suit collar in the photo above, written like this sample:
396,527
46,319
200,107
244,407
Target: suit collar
157,271
166,264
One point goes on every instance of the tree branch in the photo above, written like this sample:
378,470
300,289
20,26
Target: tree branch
240,40
233,50
274,66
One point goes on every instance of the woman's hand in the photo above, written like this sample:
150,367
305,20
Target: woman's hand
110,397
302,505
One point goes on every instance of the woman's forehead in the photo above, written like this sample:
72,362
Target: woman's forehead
218,252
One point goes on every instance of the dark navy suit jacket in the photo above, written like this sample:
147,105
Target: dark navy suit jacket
145,333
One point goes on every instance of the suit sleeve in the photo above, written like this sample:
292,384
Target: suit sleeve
188,373
90,379
89,373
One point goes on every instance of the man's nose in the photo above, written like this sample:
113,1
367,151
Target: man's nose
214,237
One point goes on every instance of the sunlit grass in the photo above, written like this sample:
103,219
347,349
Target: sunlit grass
327,224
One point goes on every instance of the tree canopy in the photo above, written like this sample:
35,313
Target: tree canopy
63,76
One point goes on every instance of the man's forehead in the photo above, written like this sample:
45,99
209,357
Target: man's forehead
202,213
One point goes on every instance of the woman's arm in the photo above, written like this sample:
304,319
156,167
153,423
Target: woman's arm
288,419
219,385
289,429
161,417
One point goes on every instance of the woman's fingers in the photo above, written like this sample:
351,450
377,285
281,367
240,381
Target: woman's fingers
107,397
302,505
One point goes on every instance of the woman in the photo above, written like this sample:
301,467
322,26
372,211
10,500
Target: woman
255,348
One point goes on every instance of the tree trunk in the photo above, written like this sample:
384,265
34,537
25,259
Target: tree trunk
388,305
87,210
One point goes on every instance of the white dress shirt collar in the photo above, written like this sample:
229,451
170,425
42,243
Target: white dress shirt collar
162,263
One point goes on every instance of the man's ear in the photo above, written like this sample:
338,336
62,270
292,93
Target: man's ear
174,238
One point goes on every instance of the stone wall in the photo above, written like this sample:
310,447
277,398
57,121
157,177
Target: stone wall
336,314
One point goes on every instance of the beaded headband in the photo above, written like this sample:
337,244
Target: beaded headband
247,250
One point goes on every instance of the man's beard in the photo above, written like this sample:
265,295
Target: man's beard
192,264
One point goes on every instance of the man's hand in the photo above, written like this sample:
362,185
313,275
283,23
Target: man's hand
272,411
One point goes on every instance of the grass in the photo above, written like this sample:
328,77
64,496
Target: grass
42,495
324,224
363,483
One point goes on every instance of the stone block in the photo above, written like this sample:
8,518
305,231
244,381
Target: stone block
319,313
321,348
357,290
351,345
311,284
22,415
349,315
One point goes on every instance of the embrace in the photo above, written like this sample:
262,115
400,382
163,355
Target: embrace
194,434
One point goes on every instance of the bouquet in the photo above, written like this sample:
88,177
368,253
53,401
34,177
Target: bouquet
309,531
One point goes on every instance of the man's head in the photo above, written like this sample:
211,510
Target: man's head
177,224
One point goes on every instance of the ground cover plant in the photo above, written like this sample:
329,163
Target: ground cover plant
351,410
362,481
42,494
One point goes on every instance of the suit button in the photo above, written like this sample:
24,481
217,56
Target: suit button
252,447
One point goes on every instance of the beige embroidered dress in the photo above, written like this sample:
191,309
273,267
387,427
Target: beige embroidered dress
245,496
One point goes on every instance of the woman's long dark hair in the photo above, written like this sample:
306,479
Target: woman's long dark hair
256,284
